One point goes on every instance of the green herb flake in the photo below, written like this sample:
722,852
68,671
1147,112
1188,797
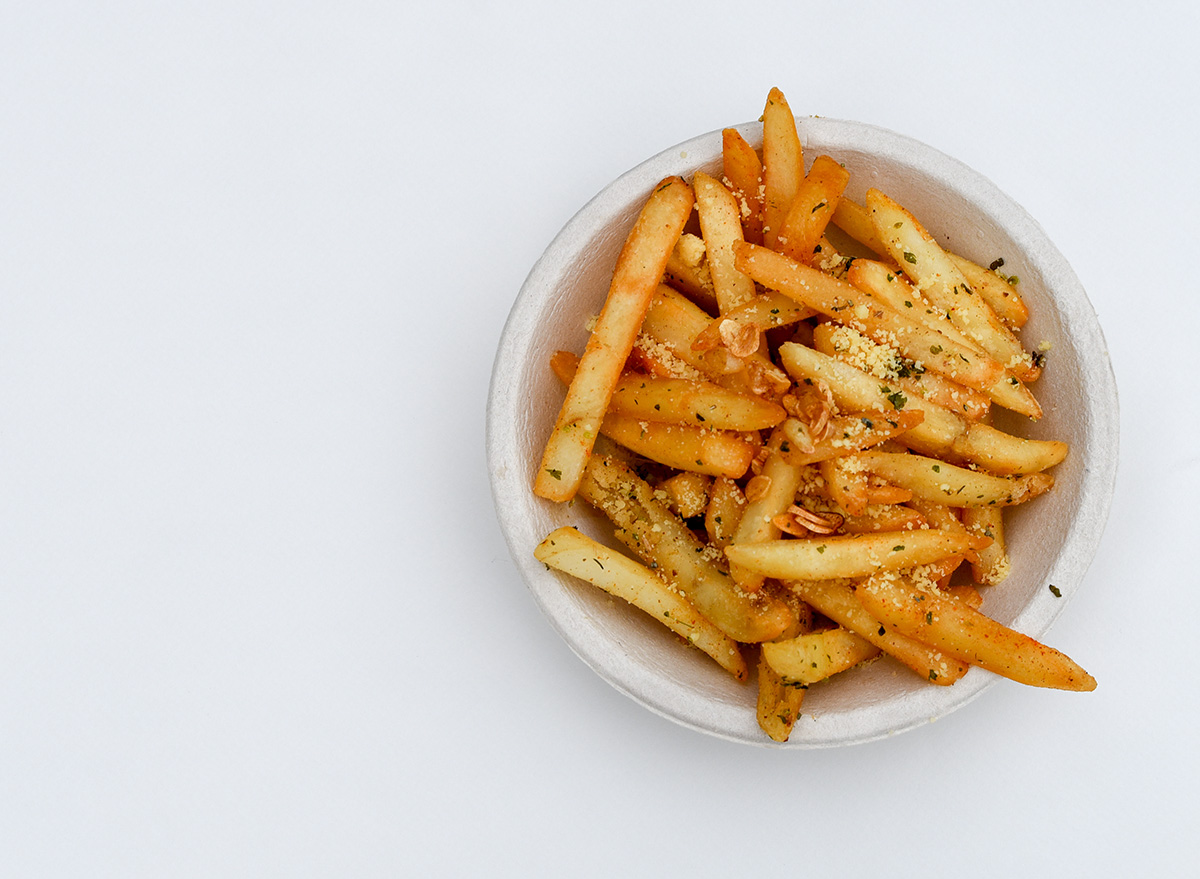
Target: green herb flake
909,258
929,618
557,474
932,675
935,349
1055,591
897,399
821,548
898,547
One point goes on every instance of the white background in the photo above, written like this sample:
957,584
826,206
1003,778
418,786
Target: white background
256,615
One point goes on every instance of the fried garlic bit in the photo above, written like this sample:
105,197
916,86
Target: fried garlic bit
813,405
799,522
741,340
757,488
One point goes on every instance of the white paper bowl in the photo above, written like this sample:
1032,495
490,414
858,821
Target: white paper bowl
1051,540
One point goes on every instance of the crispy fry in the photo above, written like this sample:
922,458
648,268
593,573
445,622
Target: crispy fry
721,225
724,512
687,493
778,702
815,656
1000,294
856,555
993,565
812,209
935,480
837,601
744,172
639,270
961,631
574,553
783,164
781,480
845,434
760,314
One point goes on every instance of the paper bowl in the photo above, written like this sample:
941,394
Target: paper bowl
1051,540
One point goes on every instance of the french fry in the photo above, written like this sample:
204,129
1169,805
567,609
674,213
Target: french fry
855,220
679,401
721,226
768,495
812,209
778,703
1005,454
665,543
847,483
993,565
815,656
957,629
724,512
687,494
883,517
639,269
747,322
855,555
687,271
939,482
572,552
744,172
845,434
1000,294
837,601
921,258
696,449
783,164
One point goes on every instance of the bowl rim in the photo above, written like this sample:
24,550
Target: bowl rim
625,671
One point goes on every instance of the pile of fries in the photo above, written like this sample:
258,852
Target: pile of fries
784,409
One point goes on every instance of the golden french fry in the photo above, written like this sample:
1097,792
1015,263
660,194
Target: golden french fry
744,172
783,164
721,226
574,553
837,601
778,703
855,220
1000,294
1005,454
961,631
687,271
768,495
815,656
812,209
638,272
751,319
697,449
724,512
921,258
665,543
993,565
844,434
847,483
687,493
935,480
679,401
854,555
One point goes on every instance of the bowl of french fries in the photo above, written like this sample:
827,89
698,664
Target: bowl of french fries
802,434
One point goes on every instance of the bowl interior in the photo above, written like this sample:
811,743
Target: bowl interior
1051,541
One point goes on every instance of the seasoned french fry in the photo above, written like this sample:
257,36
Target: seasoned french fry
724,513
845,434
922,259
665,543
687,271
768,495
837,601
574,553
812,209
1001,295
744,172
748,321
855,555
993,565
1005,454
687,494
855,220
678,401
783,164
847,483
637,275
957,629
815,656
697,449
939,482
778,702
721,226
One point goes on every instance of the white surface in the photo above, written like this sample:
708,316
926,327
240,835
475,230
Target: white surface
256,617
